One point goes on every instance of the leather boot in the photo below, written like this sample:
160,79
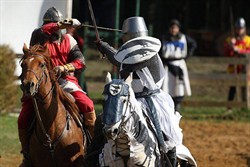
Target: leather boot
89,121
172,157
24,139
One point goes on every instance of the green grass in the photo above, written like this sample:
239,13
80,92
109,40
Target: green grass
9,134
10,145
217,114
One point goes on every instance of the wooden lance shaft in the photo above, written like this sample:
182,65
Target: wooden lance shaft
101,28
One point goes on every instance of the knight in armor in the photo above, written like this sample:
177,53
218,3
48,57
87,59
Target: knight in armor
67,58
176,48
237,46
139,55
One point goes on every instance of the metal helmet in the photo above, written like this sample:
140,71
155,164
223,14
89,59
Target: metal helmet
52,15
134,27
240,23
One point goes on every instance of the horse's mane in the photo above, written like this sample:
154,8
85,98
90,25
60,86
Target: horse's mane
43,51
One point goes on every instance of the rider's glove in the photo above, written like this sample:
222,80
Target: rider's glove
100,44
64,69
69,68
59,70
69,23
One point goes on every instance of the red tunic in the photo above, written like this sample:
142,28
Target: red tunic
60,55
243,46
60,51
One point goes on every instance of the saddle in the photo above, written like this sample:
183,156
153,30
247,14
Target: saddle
79,121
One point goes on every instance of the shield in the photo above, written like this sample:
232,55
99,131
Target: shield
138,50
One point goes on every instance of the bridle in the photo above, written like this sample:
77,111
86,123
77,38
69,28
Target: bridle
124,120
49,143
40,81
116,106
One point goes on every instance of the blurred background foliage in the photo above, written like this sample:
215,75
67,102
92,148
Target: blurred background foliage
8,86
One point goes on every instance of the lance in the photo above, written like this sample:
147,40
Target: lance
91,26
100,28
94,22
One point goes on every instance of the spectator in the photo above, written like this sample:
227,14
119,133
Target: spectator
237,46
176,47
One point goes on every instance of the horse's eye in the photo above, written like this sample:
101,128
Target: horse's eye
23,66
42,65
20,76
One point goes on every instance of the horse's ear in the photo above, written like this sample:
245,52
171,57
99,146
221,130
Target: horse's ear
108,78
129,79
25,48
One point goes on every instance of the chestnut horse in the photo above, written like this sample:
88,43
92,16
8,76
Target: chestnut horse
56,140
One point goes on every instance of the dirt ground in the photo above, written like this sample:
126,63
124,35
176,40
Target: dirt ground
213,144
218,144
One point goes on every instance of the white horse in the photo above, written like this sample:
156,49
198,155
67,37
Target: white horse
130,133
130,141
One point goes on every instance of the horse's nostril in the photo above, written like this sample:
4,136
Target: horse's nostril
32,84
115,131
29,87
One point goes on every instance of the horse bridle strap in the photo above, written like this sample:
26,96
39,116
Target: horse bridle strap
39,79
39,119
123,121
49,143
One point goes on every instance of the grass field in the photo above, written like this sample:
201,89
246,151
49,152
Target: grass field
9,143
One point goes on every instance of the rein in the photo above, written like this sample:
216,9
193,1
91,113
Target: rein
49,143
123,122
53,144
34,99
